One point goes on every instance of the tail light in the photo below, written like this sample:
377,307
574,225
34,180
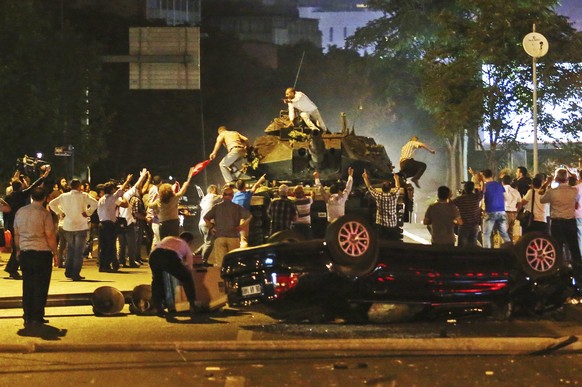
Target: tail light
283,283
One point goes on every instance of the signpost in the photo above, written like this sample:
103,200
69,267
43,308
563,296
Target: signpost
536,46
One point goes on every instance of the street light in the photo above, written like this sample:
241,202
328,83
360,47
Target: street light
536,46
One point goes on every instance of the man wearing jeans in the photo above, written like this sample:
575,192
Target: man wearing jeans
236,144
77,206
495,216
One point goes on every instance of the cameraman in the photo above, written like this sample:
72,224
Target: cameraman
18,198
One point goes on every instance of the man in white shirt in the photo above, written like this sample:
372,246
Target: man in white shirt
77,206
307,109
335,200
107,211
512,198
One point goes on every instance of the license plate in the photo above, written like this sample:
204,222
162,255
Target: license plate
251,290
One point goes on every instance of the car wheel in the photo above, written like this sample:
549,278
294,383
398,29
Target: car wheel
502,311
352,244
289,236
539,254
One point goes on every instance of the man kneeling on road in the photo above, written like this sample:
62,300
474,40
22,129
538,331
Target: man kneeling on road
174,256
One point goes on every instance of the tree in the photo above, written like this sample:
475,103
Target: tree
50,88
470,68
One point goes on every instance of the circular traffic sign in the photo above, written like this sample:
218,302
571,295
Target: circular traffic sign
535,44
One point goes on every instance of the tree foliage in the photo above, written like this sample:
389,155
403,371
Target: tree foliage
469,67
50,87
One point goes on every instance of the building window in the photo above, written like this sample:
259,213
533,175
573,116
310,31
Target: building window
331,34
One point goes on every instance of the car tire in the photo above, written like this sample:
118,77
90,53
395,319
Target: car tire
288,236
352,244
502,311
539,254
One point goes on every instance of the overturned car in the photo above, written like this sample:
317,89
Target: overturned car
351,274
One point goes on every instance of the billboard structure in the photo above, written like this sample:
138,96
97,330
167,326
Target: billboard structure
164,58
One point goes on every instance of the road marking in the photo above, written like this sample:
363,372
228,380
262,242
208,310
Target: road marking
234,381
415,238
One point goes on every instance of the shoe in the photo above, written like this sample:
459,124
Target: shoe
415,181
16,275
133,265
154,312
196,309
78,278
106,270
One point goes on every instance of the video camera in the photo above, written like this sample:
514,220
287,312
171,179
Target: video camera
31,166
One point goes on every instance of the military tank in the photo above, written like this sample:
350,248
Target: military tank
289,153
292,152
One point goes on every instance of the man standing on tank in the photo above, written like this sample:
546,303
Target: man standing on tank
307,109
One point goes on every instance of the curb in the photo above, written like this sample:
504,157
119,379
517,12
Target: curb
437,346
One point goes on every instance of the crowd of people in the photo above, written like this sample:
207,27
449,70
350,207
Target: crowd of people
489,205
47,223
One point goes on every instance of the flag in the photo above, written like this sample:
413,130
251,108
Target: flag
199,167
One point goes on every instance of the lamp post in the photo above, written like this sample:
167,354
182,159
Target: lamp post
536,46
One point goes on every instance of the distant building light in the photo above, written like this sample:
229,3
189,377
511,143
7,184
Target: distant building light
361,5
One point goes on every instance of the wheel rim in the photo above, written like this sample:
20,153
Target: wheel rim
354,239
540,254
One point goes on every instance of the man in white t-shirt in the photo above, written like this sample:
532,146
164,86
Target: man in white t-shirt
76,206
335,200
307,109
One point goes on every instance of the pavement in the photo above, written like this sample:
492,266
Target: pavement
61,287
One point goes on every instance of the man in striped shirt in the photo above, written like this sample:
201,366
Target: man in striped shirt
303,204
409,167
470,209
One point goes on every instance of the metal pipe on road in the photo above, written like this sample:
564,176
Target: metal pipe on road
511,346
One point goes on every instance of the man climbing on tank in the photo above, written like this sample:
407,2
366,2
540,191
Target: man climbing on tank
236,144
307,109
409,167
